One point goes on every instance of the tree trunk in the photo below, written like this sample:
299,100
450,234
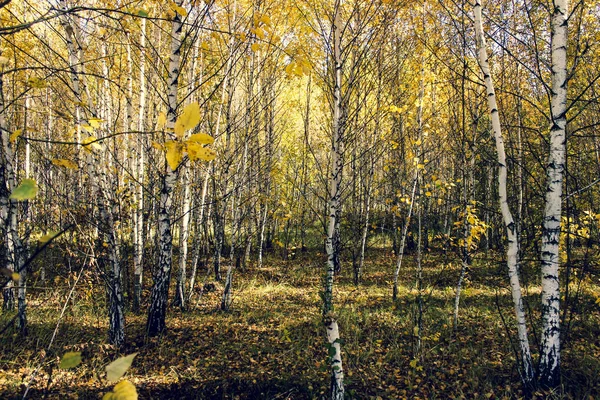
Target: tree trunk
337,373
549,368
512,255
162,277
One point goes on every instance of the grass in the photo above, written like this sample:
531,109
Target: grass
271,344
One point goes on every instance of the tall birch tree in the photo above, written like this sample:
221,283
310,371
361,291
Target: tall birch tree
512,253
549,368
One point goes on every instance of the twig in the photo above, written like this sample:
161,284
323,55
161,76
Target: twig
62,313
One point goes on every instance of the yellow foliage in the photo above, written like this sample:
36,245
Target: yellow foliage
174,153
123,390
15,135
60,162
201,138
189,118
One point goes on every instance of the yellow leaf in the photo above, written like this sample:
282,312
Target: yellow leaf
59,162
123,390
255,47
189,118
15,276
413,363
265,20
198,152
4,60
259,32
91,143
15,135
158,146
289,69
95,122
46,238
174,153
202,138
180,10
428,194
161,121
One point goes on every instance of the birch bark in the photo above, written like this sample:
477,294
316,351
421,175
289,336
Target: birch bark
512,255
549,368
162,277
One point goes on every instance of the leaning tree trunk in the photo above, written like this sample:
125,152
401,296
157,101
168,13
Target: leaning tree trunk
549,368
512,254
160,290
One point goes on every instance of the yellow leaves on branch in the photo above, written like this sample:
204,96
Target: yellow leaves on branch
193,146
298,67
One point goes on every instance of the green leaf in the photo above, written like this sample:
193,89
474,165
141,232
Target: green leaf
117,368
27,190
70,360
123,390
143,13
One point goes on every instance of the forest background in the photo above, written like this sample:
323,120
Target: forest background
311,199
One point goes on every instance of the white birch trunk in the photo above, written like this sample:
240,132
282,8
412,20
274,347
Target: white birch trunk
512,255
138,259
7,206
184,236
337,373
549,368
160,290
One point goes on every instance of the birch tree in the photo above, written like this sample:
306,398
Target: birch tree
512,254
549,368
331,325
162,277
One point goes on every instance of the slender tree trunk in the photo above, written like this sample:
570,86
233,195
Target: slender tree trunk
184,235
337,373
160,290
549,368
512,255
138,257
403,240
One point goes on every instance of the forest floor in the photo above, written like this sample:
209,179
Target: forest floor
271,344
